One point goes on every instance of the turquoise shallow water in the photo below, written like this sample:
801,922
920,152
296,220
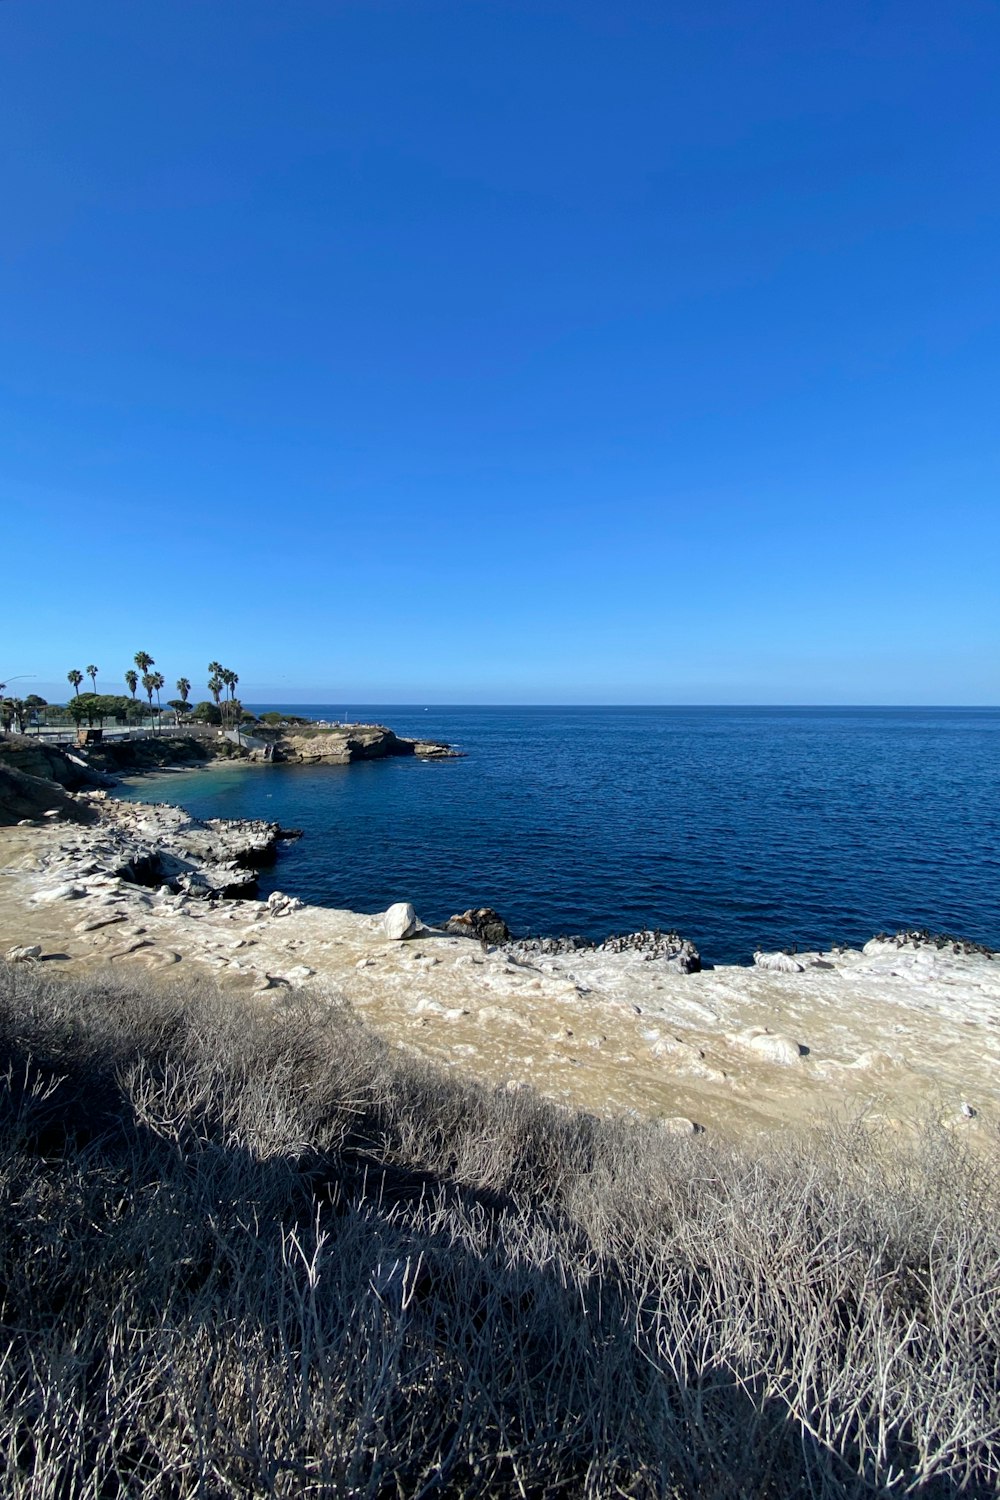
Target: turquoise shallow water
738,827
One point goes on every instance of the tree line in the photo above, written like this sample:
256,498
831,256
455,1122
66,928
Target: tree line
223,708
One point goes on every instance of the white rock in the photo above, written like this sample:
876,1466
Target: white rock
400,921
680,1125
23,955
280,905
778,963
298,975
773,1047
59,893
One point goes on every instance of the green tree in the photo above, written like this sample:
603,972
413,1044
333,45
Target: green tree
183,688
215,671
75,678
206,713
83,706
143,661
92,674
230,680
215,688
132,681
99,706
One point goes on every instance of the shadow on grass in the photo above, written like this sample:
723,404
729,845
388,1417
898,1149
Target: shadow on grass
265,1255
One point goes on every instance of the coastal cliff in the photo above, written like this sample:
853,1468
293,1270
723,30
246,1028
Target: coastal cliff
343,744
38,778
904,1027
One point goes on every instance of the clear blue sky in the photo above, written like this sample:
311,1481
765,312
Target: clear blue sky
503,350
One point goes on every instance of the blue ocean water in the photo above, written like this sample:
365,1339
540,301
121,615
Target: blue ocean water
739,827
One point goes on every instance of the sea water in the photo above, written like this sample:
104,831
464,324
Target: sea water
738,827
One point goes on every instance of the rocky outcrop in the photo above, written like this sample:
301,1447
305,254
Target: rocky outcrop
31,757
162,847
25,799
340,747
123,756
480,922
915,940
679,953
601,1026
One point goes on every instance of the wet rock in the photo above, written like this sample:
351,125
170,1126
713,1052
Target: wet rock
480,922
650,943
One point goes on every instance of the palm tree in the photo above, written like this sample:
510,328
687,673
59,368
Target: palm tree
215,687
143,661
75,678
149,686
157,679
183,688
215,673
92,674
132,682
231,679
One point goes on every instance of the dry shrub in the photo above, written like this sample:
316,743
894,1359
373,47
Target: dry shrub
270,1256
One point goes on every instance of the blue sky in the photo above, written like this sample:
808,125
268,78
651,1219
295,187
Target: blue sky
551,351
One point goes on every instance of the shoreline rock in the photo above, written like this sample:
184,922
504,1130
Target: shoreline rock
615,1026
677,952
342,747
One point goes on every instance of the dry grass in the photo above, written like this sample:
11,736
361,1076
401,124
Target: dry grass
270,1257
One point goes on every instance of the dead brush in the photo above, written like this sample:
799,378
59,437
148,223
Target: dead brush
268,1255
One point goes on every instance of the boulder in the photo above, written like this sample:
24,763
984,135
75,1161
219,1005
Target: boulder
772,1046
280,905
778,963
401,921
23,955
680,1125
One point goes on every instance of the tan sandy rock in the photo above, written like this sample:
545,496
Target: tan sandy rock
896,1030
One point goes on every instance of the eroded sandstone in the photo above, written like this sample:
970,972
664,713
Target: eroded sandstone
903,1028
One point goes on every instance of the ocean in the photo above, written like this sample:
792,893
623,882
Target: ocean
738,827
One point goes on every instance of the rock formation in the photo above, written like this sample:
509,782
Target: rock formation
480,922
909,1026
679,953
340,747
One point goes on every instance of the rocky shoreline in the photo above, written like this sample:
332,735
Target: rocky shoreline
906,1025
37,778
